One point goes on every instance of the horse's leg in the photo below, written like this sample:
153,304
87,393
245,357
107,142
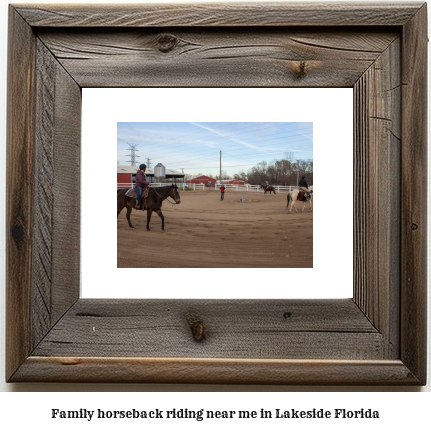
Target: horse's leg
294,205
118,211
129,210
120,205
149,212
159,213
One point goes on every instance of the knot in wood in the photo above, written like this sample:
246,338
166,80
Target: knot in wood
300,69
414,226
167,42
197,327
18,233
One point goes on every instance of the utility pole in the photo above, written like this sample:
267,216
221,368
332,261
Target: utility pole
220,166
148,162
184,180
297,174
133,156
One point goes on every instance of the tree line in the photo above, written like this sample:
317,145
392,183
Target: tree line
280,173
285,172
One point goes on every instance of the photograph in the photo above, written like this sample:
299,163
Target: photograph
224,194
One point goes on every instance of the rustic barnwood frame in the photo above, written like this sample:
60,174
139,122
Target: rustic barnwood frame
378,337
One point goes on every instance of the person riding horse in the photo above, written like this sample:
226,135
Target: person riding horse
141,185
265,186
304,187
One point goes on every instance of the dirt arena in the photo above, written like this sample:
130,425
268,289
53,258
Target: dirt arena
205,232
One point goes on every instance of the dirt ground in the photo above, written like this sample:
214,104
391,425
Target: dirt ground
205,232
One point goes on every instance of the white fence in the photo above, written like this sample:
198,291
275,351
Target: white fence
231,187
181,186
125,185
256,188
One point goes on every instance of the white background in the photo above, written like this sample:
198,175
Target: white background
402,409
330,111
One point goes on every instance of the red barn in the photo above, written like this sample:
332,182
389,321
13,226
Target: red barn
202,179
233,182
126,176
237,182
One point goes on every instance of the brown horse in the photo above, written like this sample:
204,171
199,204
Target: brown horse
153,202
268,189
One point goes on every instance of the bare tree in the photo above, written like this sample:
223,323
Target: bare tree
224,176
279,172
241,176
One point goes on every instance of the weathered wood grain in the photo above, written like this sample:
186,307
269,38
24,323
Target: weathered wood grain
43,194
216,371
220,15
19,181
377,192
414,229
234,329
211,57
66,205
56,196
43,166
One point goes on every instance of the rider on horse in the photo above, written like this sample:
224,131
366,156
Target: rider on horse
304,187
141,185
266,184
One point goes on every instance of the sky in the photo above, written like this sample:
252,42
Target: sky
195,147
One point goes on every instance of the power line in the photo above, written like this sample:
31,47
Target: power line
242,143
133,156
191,153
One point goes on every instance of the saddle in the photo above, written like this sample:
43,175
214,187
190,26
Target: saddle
131,193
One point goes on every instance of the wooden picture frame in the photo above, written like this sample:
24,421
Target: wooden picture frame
376,338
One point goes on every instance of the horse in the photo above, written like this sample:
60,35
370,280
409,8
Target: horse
299,195
153,202
268,189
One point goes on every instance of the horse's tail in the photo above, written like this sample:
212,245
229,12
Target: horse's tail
289,199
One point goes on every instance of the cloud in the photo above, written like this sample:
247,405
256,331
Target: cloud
226,135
